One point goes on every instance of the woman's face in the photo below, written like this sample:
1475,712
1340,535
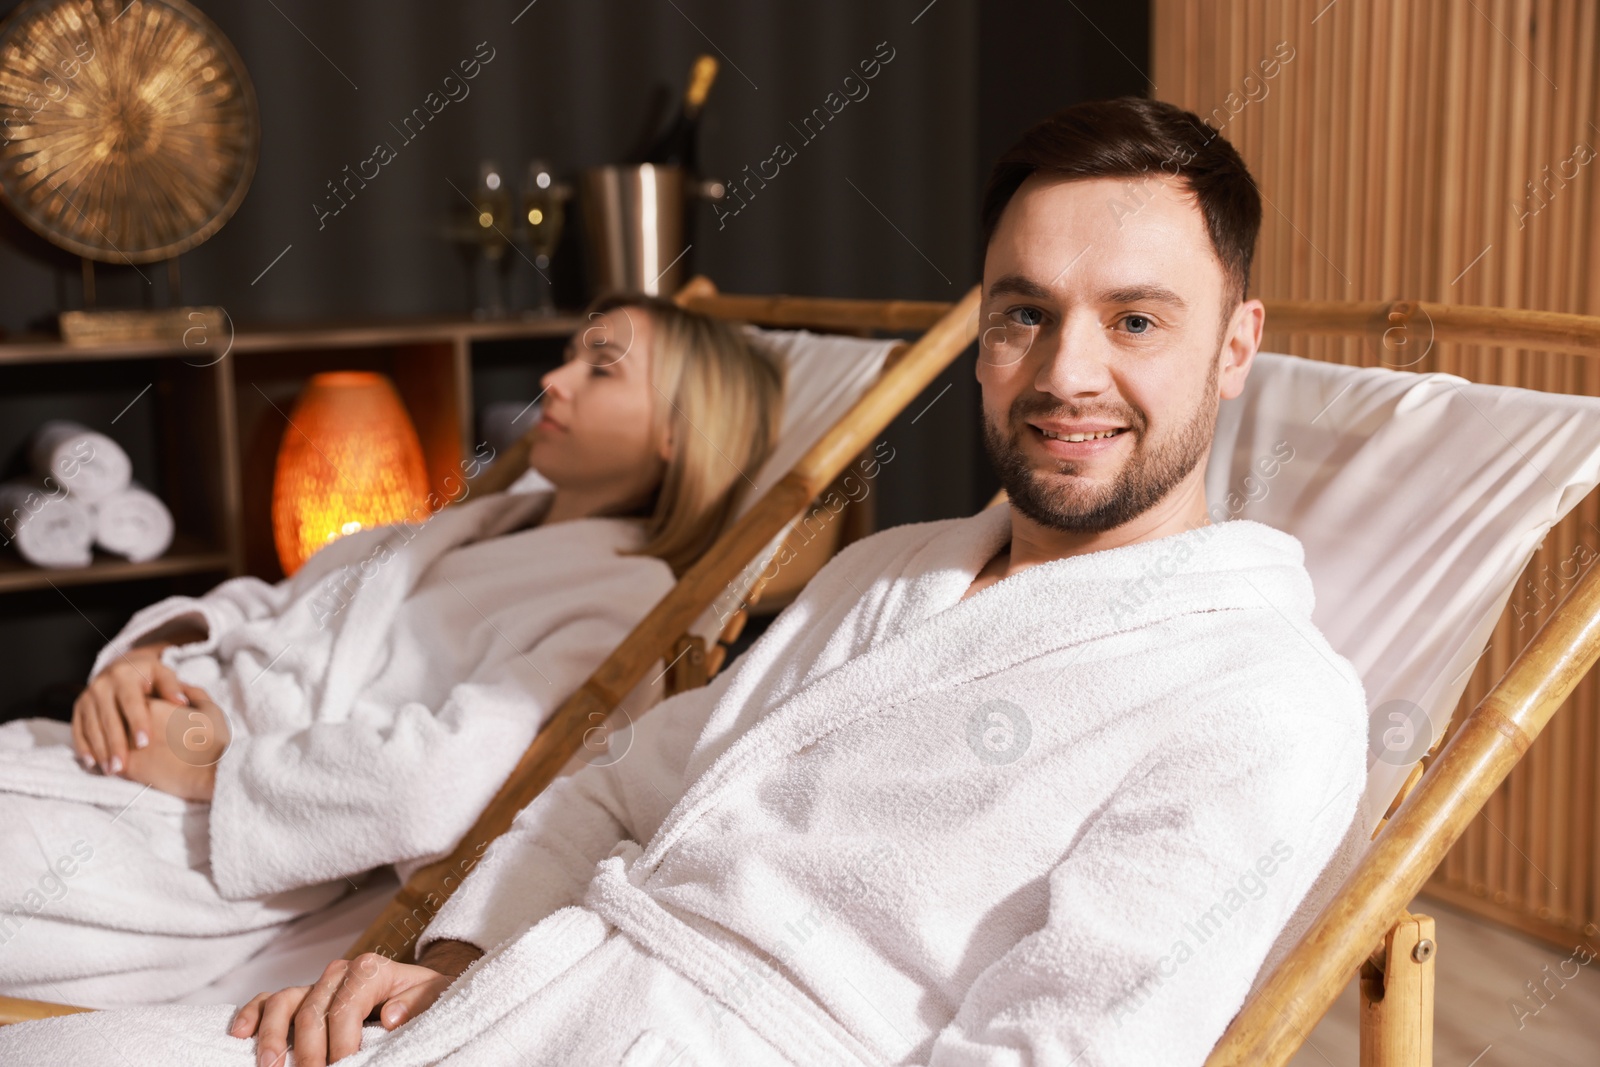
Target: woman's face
594,433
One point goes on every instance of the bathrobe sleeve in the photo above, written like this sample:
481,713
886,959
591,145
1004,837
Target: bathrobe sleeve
1163,911
337,798
545,860
236,601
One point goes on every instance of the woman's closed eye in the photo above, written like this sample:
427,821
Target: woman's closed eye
597,357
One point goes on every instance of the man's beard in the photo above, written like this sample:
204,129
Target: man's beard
1146,477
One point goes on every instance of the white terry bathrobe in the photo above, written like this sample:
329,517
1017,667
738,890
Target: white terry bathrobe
377,698
1061,821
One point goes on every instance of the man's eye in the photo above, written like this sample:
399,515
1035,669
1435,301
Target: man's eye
1026,316
1138,324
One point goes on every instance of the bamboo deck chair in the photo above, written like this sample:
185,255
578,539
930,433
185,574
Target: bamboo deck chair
692,626
1420,499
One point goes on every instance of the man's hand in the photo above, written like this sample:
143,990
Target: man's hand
327,1017
189,740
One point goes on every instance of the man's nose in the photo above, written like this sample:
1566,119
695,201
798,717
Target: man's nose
1075,363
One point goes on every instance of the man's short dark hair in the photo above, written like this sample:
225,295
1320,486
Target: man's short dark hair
1132,137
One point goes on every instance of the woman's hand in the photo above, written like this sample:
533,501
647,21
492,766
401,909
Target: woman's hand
327,1017
189,740
116,706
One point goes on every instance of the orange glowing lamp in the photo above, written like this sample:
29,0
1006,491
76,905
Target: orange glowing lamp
350,459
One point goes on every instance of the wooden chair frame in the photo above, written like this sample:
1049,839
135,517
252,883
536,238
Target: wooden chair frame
664,634
1365,929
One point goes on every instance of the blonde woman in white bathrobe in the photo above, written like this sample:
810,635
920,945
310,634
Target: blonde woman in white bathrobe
1047,785
376,699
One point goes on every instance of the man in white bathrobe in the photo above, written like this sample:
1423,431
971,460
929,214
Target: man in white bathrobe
1045,785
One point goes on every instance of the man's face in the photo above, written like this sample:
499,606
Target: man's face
1102,312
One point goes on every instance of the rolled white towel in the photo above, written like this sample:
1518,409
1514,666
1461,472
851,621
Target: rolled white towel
134,523
47,527
89,464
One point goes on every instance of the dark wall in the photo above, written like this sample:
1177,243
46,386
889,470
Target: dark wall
882,203
1036,58
569,81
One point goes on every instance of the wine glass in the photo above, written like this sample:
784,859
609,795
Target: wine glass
491,225
543,214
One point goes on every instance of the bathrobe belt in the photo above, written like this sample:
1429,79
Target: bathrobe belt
740,984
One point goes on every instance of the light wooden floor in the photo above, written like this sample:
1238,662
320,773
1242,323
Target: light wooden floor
1482,969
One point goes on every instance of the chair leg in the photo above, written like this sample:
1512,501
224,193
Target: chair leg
1397,997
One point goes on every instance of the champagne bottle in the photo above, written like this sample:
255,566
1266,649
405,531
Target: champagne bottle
655,113
679,145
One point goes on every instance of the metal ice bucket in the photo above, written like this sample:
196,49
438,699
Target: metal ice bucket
634,227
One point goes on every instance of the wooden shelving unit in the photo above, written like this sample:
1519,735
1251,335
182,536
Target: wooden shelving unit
297,337
186,556
202,420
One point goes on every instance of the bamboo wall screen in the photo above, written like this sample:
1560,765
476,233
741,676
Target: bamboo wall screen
1439,150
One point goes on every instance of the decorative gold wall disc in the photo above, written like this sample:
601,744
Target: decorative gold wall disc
128,130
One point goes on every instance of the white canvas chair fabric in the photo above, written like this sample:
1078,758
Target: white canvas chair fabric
1420,499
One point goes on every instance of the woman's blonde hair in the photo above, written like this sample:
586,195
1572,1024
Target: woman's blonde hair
721,401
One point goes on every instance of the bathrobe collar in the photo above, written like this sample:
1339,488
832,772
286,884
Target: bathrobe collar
929,639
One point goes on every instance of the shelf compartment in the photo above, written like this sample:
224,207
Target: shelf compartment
186,556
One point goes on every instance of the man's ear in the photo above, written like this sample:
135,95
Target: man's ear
1239,347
